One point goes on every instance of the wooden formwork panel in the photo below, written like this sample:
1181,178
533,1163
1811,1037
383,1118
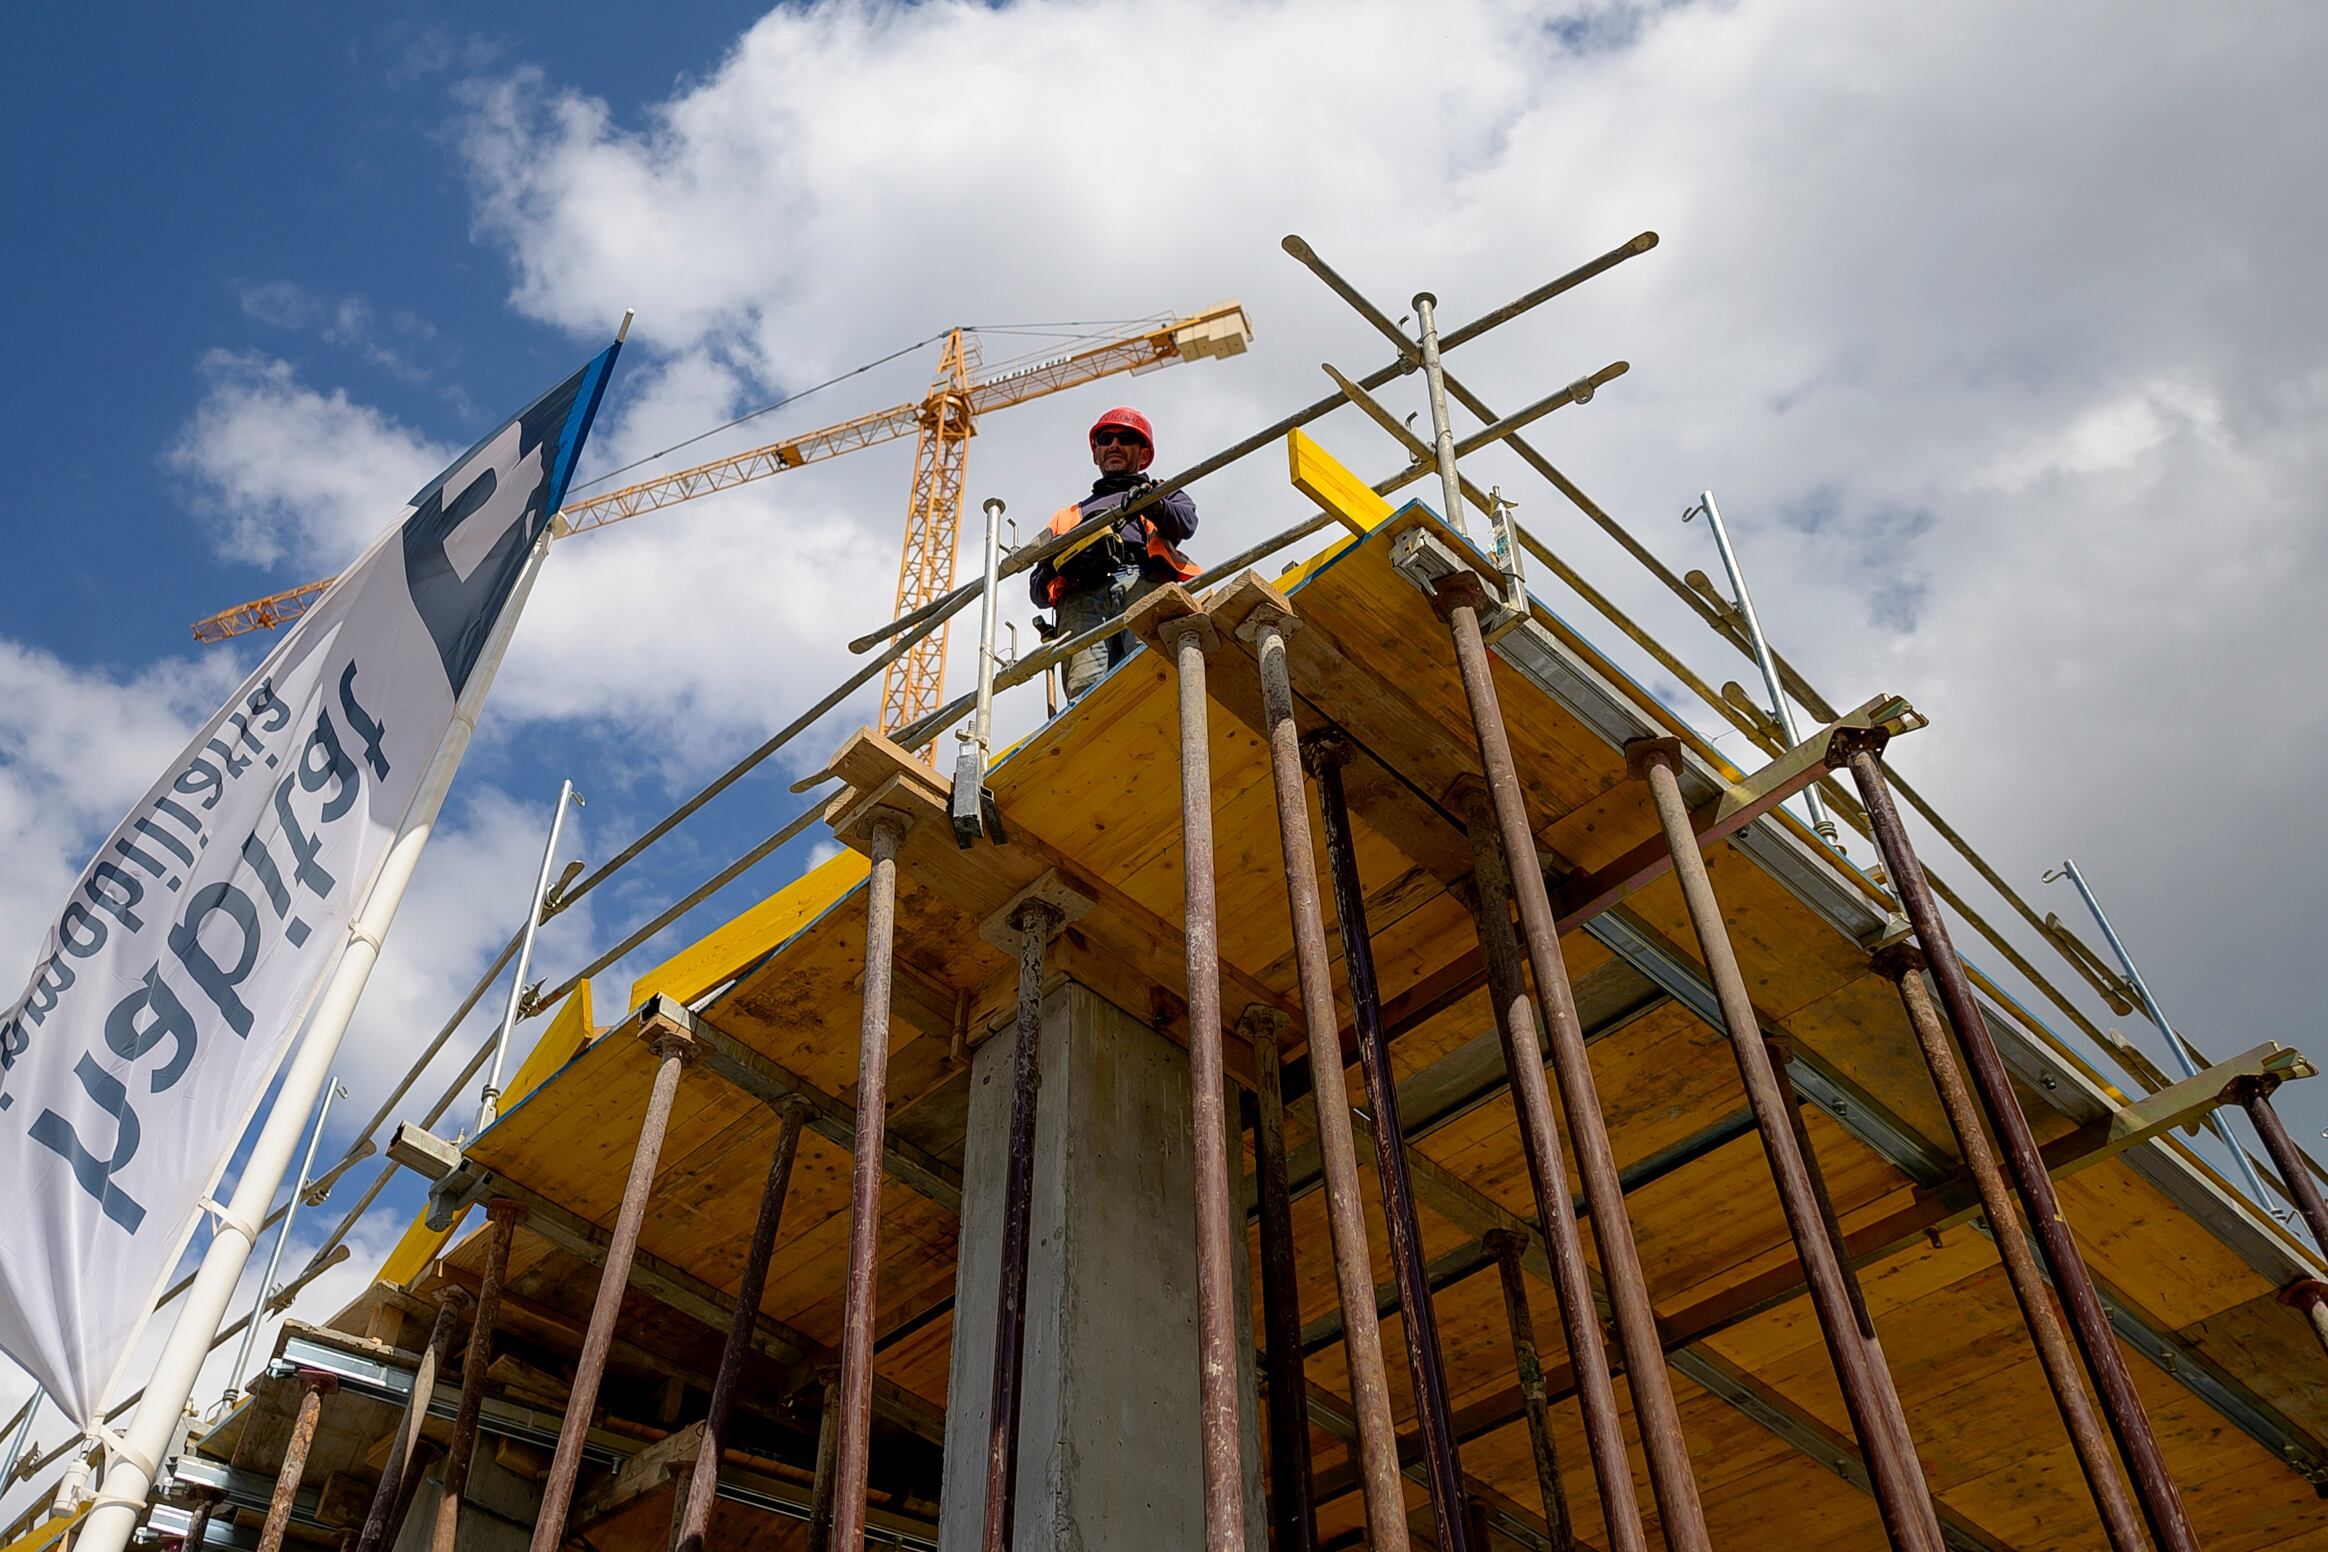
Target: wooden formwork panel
1095,796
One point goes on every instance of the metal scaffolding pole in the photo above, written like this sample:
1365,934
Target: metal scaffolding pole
1894,1476
242,1357
1459,599
1505,1245
1580,1321
400,1474
1780,707
853,1450
703,1481
674,1049
2175,1049
489,1104
1034,921
1325,752
313,1387
2089,1323
1904,965
1377,1447
1292,1518
501,1218
1190,637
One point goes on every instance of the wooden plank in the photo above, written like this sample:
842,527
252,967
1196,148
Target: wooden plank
1346,498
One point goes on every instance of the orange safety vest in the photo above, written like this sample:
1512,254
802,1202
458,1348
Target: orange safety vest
1072,515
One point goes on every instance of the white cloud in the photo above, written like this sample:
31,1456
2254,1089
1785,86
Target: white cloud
293,475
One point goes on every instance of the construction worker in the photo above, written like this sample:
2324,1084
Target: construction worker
1105,572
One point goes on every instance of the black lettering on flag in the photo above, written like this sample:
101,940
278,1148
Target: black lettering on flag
218,982
95,1175
333,764
166,1019
264,701
361,724
118,907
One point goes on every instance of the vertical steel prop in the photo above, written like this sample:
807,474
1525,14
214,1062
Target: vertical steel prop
1596,1392
1034,921
1894,1476
500,1227
2254,1097
1505,1245
313,1387
673,1051
853,1451
1190,637
703,1481
1377,1451
400,1476
198,1523
2089,1323
1903,964
1325,751
1894,1414
1292,1517
820,1490
1459,599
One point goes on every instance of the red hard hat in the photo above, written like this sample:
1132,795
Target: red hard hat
1128,419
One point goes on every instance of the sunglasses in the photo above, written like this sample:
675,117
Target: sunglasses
1118,439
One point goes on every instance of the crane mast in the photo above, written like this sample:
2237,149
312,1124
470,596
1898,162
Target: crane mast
915,684
942,425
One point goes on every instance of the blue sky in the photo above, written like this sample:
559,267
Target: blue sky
163,170
1995,330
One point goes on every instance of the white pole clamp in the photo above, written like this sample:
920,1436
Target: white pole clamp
228,1218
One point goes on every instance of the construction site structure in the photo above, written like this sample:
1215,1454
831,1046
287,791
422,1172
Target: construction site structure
941,423
1015,1195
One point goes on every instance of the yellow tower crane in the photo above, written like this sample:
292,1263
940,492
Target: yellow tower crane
942,424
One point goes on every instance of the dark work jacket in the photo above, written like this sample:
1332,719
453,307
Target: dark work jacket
1172,520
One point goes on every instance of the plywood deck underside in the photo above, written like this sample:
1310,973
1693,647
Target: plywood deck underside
1096,795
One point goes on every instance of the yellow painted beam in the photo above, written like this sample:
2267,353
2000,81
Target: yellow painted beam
46,1533
725,950
568,1033
1346,498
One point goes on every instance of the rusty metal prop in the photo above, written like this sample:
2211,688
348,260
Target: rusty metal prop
400,1476
2089,1323
673,1050
703,1481
1894,1477
313,1387
853,1452
820,1491
1190,638
2254,1096
1904,964
1580,1324
1324,751
1505,1246
501,1226
1377,1450
1035,922
1292,1518
198,1523
1458,599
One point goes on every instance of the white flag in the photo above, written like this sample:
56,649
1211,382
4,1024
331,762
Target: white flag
181,966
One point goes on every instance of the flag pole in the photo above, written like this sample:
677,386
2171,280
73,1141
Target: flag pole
134,1458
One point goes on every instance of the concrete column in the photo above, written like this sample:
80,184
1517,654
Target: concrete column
1109,1450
